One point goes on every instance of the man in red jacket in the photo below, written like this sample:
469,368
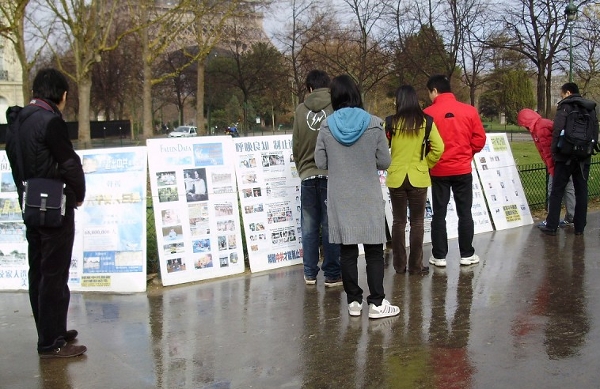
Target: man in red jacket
462,131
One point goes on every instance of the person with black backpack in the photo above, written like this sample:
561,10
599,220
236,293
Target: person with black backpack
574,141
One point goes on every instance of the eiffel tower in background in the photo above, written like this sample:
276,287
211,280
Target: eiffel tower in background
247,29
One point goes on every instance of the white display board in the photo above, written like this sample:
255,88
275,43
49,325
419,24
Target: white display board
501,184
195,203
481,218
270,201
109,252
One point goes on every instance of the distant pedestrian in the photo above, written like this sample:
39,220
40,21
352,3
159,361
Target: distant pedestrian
461,129
352,146
541,132
566,166
408,177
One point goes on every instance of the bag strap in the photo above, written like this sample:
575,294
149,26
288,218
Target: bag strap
428,125
388,129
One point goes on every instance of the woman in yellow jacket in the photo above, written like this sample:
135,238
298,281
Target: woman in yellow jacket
408,177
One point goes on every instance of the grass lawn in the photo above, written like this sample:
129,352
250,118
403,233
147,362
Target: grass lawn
525,153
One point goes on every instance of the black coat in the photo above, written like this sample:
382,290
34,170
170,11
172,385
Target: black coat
46,149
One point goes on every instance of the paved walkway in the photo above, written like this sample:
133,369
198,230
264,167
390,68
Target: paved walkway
528,316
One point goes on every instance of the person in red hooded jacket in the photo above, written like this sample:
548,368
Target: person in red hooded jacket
541,133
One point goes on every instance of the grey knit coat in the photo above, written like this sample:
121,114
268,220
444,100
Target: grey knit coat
355,204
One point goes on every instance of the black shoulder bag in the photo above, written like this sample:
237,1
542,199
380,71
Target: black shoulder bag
44,200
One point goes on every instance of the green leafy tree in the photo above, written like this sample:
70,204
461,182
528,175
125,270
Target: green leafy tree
509,91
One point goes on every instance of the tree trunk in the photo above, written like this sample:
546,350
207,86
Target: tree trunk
200,98
83,115
549,92
541,92
146,89
22,55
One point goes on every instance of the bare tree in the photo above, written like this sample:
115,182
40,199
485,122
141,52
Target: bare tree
474,56
82,29
162,33
536,29
13,16
308,18
587,52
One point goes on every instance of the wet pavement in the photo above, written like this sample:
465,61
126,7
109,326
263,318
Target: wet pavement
527,316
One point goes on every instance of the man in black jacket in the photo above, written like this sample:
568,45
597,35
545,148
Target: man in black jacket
47,152
566,166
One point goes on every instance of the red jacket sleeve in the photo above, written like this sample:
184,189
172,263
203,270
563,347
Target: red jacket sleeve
478,138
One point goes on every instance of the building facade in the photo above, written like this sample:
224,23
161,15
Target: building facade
11,83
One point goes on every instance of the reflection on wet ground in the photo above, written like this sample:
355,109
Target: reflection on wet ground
527,316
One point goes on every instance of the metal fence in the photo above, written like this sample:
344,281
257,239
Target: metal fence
535,182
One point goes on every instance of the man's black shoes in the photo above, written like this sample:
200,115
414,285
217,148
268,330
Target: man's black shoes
548,231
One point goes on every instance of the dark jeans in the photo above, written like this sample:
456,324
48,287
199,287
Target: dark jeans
349,262
50,252
315,226
462,188
562,172
415,198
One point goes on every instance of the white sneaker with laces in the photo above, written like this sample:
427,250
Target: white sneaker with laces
473,259
437,262
355,308
384,310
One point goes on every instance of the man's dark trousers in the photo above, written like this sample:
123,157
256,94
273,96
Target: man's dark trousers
462,188
563,170
50,251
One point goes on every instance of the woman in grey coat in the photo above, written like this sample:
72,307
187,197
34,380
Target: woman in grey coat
352,145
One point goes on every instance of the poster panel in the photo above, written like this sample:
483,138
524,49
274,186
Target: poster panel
109,251
13,245
194,196
501,183
270,200
481,218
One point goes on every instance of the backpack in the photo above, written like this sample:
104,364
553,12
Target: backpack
424,144
578,140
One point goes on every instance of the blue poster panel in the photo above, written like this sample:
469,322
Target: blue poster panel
109,252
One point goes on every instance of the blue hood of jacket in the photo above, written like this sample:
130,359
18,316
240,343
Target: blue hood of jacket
348,124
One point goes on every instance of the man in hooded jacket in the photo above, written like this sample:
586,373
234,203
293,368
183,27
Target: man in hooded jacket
313,196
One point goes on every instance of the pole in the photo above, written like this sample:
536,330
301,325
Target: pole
571,52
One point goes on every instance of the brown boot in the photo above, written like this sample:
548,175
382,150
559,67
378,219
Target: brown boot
66,351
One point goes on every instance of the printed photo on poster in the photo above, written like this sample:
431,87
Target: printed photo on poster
195,184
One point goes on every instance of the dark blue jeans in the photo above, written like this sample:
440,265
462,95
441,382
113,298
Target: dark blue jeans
50,252
562,173
314,227
462,188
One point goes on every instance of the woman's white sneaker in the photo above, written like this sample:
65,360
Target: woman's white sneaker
355,308
437,262
472,260
384,310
